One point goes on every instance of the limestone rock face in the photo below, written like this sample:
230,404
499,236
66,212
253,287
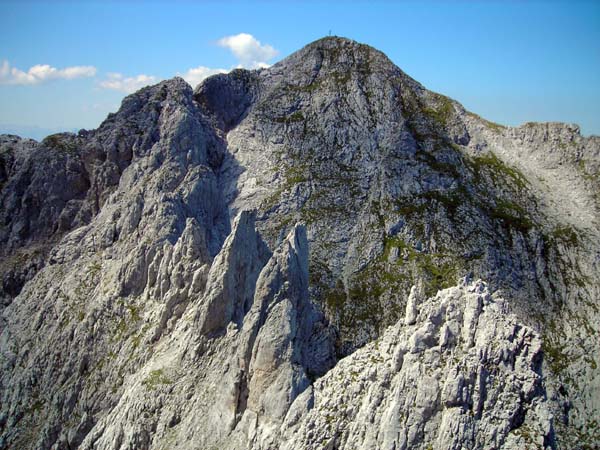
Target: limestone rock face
463,375
231,388
282,258
232,277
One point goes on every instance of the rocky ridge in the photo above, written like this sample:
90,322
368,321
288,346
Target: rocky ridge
137,313
456,372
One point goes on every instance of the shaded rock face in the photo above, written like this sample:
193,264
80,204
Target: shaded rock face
66,180
200,389
277,259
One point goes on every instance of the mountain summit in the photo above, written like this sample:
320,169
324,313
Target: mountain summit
321,254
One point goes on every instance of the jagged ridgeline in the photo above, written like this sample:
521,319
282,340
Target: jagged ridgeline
286,258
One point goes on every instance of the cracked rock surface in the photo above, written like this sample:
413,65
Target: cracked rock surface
284,258
464,374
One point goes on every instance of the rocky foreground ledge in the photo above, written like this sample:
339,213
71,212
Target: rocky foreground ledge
457,372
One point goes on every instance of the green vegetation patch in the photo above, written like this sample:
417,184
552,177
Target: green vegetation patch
497,169
362,298
58,142
418,204
565,234
335,299
449,200
439,271
512,215
586,172
313,86
36,406
442,111
297,116
294,174
556,356
155,379
134,312
126,325
342,78
437,165
94,269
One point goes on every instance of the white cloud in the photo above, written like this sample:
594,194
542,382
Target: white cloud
250,53
41,73
248,50
119,82
197,74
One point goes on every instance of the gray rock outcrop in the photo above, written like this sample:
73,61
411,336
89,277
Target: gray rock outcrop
463,375
281,258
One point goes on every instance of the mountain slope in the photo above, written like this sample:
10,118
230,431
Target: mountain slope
139,313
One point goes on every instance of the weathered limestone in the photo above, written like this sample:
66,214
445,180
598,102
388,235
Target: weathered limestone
282,258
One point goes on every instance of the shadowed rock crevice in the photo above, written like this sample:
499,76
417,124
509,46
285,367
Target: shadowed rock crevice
227,98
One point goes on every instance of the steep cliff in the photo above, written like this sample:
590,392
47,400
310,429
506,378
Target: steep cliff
284,258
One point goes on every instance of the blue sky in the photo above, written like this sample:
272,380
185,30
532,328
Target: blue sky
510,62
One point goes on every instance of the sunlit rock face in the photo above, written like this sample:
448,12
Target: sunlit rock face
321,254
